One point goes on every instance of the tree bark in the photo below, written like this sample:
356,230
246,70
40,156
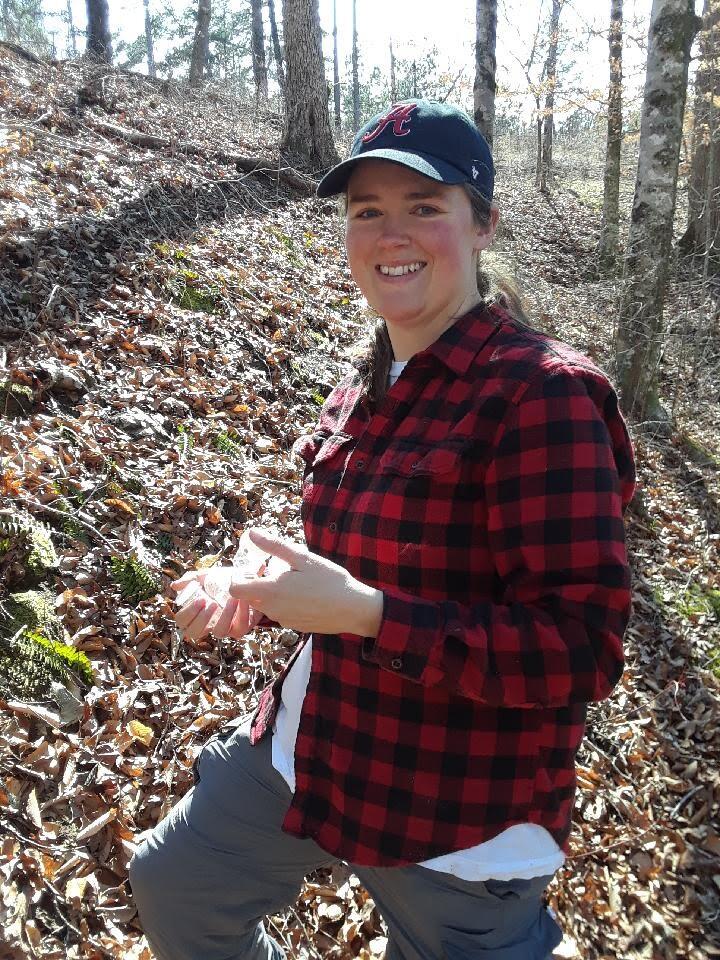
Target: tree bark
148,40
258,51
393,78
640,329
99,44
336,71
201,44
485,64
608,246
355,72
8,23
549,112
702,237
276,45
307,133
71,30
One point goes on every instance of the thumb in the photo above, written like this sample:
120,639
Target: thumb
292,553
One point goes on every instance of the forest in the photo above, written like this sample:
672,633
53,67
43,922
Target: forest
175,306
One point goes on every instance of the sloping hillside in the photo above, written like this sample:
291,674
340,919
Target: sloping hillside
174,306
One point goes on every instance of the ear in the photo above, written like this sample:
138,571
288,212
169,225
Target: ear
485,235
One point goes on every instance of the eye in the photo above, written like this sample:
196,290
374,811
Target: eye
367,214
425,210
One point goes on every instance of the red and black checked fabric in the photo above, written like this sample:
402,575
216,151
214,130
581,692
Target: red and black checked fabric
485,498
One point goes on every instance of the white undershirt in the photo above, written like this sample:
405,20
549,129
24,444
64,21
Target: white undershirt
522,851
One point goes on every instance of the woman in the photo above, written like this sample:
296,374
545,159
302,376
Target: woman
464,591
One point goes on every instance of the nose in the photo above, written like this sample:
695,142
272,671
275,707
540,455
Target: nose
394,233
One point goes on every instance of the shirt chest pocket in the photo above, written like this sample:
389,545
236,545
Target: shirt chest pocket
445,462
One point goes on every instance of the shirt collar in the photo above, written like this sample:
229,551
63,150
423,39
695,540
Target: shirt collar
458,346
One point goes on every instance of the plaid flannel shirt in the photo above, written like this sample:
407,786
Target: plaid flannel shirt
485,498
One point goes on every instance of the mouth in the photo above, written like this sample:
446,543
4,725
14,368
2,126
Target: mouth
400,270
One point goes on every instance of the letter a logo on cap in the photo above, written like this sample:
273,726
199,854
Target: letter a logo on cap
398,116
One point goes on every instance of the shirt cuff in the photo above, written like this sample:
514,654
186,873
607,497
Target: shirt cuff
413,637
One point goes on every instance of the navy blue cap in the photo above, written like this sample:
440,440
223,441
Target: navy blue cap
436,139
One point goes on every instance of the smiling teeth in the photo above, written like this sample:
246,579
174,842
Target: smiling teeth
399,271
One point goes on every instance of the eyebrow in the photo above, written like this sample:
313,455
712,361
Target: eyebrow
415,195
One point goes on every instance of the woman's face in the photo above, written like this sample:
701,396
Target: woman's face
412,247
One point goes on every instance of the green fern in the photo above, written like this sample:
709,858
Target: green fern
225,443
30,663
33,655
34,537
164,544
136,581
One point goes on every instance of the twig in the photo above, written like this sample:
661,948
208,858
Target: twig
683,800
75,516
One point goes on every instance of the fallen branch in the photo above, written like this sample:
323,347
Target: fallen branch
293,178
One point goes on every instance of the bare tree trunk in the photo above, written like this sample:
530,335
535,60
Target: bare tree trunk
549,113
608,246
336,71
393,78
148,40
640,330
258,51
71,30
201,45
8,24
307,132
703,230
99,44
276,45
539,142
484,86
355,75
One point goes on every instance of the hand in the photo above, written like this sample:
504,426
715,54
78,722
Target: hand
200,615
311,594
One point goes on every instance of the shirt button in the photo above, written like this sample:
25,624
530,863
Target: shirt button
396,664
360,464
332,527
414,466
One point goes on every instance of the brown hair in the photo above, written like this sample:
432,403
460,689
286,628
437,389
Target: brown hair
374,356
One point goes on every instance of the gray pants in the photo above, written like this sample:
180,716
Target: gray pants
205,877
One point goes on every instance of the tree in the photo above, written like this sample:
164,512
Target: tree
336,70
72,43
99,44
307,133
702,236
276,45
258,51
355,74
148,39
201,44
544,174
609,229
640,329
484,87
393,77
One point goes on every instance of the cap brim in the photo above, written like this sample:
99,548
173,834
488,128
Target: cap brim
335,181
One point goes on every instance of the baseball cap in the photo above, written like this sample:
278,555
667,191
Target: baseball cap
436,139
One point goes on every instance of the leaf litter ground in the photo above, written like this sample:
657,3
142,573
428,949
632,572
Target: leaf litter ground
177,324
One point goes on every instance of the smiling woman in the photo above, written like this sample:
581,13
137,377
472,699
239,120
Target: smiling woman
463,596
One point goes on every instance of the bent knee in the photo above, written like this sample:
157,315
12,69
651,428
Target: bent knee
148,873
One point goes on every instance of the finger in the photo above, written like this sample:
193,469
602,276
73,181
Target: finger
221,627
201,626
194,616
249,589
292,553
190,576
241,621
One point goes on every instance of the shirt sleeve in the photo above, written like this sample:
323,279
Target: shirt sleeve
556,488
